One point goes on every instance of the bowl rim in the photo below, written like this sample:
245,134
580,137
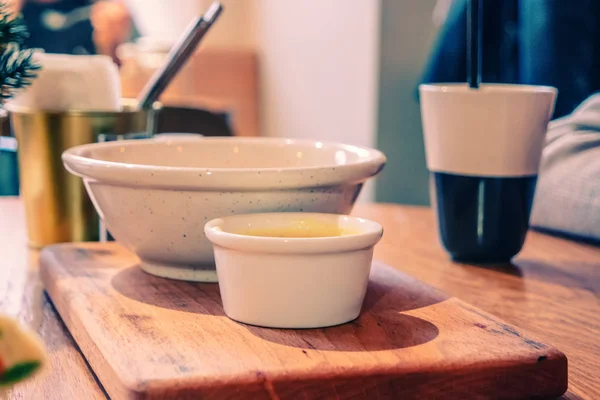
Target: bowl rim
366,238
75,152
77,162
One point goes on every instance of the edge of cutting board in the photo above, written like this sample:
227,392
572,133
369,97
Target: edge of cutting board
275,366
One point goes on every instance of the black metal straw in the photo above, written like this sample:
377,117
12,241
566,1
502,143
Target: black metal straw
474,43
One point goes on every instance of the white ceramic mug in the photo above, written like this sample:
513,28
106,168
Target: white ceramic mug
483,148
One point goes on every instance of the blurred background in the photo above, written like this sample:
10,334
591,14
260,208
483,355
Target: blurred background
340,70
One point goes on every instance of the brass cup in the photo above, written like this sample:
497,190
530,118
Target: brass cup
57,208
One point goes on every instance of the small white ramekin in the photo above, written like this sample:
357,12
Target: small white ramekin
281,282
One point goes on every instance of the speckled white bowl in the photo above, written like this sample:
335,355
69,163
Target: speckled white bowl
155,196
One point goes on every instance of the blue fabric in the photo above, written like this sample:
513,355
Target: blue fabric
76,39
542,42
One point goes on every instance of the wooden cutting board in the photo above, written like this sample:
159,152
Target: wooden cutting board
152,338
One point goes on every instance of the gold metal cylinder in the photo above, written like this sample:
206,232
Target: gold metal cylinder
57,208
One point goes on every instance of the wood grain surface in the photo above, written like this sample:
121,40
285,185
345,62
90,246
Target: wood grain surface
22,295
551,290
153,338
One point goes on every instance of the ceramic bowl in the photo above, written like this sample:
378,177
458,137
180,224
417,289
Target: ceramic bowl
155,196
293,270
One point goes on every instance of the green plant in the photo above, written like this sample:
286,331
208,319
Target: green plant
17,66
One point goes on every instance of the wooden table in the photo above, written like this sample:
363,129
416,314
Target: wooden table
552,290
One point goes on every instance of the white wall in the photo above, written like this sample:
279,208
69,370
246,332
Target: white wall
318,59
319,69
167,20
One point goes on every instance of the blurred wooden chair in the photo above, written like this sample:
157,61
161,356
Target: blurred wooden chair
219,81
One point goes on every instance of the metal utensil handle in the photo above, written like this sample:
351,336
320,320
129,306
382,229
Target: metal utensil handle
179,55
